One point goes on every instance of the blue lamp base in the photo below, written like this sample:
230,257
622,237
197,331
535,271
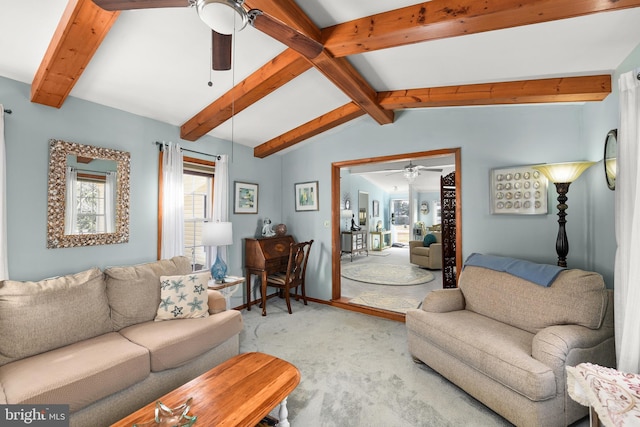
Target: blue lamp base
219,270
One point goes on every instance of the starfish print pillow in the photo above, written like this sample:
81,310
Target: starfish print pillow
183,297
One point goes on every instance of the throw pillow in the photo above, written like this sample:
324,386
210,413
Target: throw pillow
184,297
428,240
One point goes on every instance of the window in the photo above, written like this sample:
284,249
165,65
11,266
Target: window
198,206
399,212
90,206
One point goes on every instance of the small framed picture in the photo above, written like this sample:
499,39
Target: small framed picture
519,190
245,198
306,195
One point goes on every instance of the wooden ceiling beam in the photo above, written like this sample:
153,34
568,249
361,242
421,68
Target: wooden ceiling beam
80,32
567,89
339,72
438,19
271,76
314,127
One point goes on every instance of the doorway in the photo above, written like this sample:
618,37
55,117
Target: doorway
336,208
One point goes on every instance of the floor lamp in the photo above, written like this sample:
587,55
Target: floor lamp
562,175
217,234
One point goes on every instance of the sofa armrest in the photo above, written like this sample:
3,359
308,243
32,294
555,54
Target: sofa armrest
217,302
443,300
557,346
435,250
414,243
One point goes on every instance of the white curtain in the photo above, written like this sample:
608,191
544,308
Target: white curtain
220,201
110,202
627,225
172,202
70,211
4,259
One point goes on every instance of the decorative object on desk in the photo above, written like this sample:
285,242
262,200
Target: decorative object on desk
280,229
379,226
610,158
267,231
354,226
519,190
183,297
347,214
562,175
375,208
245,198
306,195
171,417
386,274
217,234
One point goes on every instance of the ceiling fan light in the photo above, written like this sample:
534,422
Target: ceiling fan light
222,16
410,174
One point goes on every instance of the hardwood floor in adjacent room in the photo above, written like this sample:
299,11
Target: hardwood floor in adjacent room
352,289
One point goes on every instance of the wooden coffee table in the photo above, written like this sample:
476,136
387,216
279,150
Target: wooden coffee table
238,392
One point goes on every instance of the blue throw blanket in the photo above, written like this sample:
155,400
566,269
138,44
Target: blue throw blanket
540,274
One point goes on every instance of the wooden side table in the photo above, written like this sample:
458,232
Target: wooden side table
229,287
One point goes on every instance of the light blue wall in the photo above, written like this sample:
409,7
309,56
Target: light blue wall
489,137
27,132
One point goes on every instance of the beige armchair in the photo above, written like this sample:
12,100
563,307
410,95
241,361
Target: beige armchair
429,257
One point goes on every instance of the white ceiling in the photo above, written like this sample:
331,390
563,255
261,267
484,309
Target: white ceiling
155,62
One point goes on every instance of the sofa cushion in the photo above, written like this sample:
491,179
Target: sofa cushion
78,374
184,297
172,344
497,350
428,239
39,316
134,291
575,297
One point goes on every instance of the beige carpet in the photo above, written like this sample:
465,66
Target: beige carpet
386,274
386,302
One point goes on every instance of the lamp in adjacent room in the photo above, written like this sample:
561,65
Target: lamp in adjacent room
562,175
222,16
217,234
346,214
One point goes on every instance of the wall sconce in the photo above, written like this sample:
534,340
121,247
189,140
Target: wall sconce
562,175
217,234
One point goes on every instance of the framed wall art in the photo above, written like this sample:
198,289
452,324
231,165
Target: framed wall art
519,190
245,198
306,195
376,208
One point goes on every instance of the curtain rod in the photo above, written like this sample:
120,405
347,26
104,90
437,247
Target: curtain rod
8,111
217,156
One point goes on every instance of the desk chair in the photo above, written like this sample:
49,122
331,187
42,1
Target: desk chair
295,274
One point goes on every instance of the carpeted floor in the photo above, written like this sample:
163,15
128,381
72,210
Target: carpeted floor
385,302
386,274
356,371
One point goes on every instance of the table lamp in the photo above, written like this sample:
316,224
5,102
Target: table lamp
217,234
562,175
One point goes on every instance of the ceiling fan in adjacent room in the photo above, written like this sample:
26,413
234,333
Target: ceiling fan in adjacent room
224,17
412,171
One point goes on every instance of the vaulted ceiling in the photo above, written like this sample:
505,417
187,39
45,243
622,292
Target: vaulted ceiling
375,61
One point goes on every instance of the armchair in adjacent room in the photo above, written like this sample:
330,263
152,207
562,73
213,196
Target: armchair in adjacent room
427,256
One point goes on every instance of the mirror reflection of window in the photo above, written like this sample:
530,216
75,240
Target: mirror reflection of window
90,201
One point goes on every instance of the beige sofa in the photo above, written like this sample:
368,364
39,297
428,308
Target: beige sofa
427,256
506,341
89,340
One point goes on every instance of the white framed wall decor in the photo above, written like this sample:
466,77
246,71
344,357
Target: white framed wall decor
518,190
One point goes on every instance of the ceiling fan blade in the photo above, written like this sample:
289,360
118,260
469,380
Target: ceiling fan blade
301,43
139,4
220,51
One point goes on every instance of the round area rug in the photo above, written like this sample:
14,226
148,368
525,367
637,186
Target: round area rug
386,274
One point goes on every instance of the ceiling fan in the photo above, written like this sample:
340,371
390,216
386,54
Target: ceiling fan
411,169
223,17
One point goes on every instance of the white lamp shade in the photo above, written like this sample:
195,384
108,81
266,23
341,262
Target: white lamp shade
346,213
217,233
564,172
222,16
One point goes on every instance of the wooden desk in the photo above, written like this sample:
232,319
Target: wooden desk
262,257
237,393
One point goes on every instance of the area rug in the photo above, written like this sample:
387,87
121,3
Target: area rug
379,253
386,274
385,302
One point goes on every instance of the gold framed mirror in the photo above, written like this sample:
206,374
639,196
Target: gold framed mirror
610,158
88,195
